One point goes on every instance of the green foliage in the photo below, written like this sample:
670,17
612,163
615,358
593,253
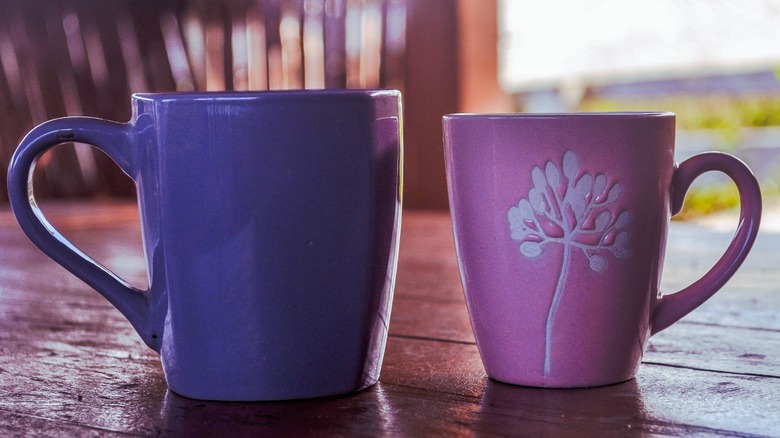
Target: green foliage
701,201
723,112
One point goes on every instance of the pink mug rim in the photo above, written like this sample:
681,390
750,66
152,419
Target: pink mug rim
564,115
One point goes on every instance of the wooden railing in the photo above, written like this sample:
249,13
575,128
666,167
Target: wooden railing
85,57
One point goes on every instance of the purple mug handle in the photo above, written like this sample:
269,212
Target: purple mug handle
115,139
671,308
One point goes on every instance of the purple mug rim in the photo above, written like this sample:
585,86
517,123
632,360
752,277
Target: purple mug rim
262,94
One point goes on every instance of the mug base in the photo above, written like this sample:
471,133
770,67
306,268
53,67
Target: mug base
277,396
560,383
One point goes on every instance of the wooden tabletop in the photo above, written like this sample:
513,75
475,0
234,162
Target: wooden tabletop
71,365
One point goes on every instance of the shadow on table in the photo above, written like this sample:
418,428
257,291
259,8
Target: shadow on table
367,412
613,409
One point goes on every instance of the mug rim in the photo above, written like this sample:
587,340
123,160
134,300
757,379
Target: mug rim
562,115
261,94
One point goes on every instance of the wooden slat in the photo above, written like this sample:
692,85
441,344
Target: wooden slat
429,93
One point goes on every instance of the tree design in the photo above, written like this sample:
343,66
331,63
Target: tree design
575,211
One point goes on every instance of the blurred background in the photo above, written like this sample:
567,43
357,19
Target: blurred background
716,63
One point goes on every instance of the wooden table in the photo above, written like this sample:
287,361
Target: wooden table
71,365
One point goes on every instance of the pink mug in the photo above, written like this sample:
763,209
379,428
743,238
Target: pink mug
560,224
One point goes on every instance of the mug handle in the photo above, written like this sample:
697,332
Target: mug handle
669,309
115,139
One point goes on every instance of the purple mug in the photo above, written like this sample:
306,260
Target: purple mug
560,223
270,226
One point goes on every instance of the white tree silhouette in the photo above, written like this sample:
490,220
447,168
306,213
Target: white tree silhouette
571,210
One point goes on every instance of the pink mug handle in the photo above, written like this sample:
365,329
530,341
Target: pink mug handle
669,309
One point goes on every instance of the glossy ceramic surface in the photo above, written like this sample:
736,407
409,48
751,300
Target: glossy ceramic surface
270,224
560,223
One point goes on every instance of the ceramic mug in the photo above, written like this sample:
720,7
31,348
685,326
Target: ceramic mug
560,223
270,225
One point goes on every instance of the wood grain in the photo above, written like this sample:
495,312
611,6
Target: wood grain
71,365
